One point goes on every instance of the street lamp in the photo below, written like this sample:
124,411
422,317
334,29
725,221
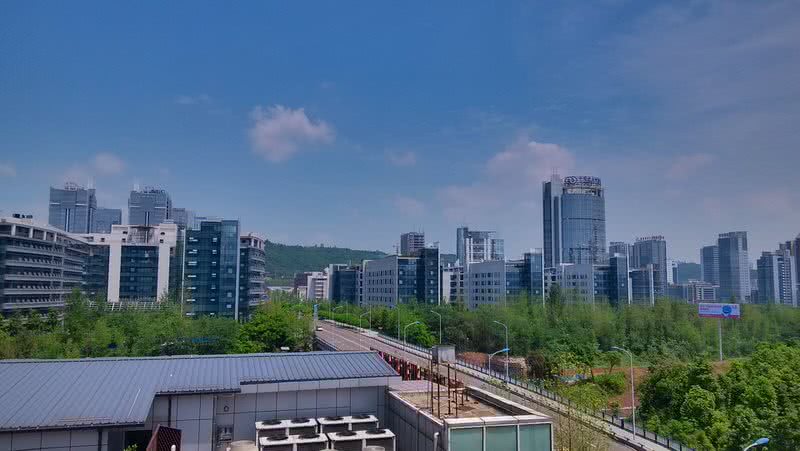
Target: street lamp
405,344
334,323
362,329
760,442
494,354
440,325
507,348
633,390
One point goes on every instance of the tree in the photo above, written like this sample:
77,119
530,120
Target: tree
272,327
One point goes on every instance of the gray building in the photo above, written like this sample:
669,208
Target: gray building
652,251
211,270
104,218
643,285
574,221
252,271
212,400
344,283
709,264
411,243
591,283
777,278
683,272
473,246
149,207
734,267
40,265
72,208
397,279
184,218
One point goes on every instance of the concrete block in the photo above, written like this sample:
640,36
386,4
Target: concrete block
347,383
329,384
248,388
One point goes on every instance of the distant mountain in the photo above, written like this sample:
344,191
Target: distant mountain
284,261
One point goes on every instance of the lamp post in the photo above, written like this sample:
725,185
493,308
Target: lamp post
760,442
405,329
440,325
494,354
507,348
633,390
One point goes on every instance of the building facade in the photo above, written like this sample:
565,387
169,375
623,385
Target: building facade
317,286
684,272
653,251
411,243
709,264
344,281
211,269
252,271
184,218
139,262
574,221
72,208
149,206
777,278
643,285
40,265
473,246
734,267
401,279
104,218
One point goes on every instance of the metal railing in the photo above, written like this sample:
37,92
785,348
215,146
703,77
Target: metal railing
525,385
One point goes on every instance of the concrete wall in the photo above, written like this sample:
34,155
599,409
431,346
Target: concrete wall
76,440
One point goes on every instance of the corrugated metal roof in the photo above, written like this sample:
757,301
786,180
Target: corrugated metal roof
48,394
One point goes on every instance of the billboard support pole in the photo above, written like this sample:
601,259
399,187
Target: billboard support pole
719,324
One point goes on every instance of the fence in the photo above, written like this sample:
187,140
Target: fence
514,381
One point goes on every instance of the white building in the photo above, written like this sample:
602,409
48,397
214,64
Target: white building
318,285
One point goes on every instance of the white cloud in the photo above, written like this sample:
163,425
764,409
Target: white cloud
511,178
279,132
7,170
402,159
686,166
409,206
200,99
107,164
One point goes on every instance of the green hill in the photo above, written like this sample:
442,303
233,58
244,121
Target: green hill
284,261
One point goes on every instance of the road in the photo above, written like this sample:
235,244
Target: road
351,340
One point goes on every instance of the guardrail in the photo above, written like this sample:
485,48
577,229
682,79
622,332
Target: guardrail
515,382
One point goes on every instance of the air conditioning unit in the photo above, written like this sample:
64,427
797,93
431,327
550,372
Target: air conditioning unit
379,437
362,422
333,424
276,443
298,426
311,442
346,440
267,428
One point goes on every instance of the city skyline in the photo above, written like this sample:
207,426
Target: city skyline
258,121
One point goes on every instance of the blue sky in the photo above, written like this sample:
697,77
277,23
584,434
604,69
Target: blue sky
349,123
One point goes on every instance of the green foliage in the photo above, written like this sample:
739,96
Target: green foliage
275,325
86,331
613,383
284,261
758,397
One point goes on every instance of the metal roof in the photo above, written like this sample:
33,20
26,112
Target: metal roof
51,394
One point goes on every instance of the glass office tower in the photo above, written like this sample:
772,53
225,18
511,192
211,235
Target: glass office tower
734,267
149,207
72,208
583,221
211,282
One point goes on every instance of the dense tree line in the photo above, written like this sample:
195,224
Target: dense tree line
92,330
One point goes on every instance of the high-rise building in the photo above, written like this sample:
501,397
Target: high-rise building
683,272
211,269
734,267
643,285
591,283
72,208
344,282
777,278
139,261
619,247
149,207
252,271
317,286
183,217
400,279
709,264
40,265
574,221
652,250
104,218
473,246
411,243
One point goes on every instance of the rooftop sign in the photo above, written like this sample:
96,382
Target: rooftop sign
581,180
